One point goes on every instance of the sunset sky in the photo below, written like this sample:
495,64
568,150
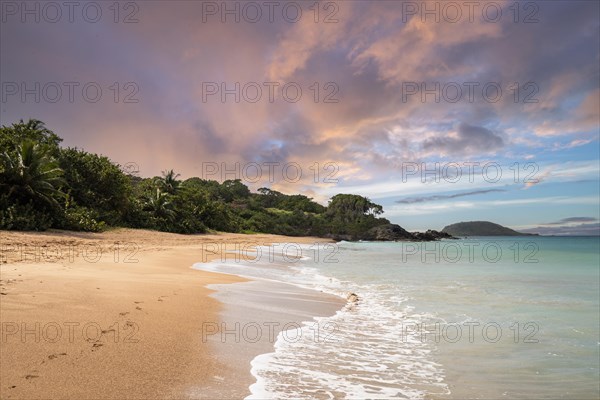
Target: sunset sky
367,116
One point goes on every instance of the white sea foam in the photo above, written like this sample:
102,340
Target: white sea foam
360,352
357,353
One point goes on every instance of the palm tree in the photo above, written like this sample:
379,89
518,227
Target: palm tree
169,182
160,206
31,174
35,130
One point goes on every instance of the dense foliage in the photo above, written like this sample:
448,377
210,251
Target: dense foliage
43,185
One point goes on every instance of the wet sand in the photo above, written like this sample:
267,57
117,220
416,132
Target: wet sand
253,315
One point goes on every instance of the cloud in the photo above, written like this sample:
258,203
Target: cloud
589,110
424,199
397,211
572,144
536,180
571,220
417,49
571,226
468,139
570,230
368,54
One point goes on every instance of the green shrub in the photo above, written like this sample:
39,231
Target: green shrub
82,219
24,218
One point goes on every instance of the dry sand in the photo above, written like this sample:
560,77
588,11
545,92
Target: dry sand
110,315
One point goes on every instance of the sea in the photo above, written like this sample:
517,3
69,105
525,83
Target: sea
473,318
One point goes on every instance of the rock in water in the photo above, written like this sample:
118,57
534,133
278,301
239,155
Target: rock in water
430,234
352,298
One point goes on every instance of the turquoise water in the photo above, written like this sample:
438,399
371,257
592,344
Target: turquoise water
479,318
540,295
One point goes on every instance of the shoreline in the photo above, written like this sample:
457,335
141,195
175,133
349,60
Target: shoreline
252,320
124,306
256,314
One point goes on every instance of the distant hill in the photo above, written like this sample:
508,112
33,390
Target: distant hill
480,228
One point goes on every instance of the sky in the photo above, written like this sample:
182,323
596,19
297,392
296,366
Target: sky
439,111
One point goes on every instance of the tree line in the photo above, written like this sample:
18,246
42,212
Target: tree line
43,185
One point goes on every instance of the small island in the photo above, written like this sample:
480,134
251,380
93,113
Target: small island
481,228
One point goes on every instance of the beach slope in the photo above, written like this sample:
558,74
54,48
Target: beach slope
111,315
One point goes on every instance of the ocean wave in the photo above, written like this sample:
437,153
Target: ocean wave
360,352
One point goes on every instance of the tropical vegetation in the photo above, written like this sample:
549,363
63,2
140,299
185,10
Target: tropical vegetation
43,185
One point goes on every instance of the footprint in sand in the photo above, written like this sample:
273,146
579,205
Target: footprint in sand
53,356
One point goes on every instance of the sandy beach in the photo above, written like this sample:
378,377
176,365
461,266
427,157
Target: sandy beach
112,315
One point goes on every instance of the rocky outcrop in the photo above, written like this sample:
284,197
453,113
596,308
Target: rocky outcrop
387,232
339,237
394,232
430,235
